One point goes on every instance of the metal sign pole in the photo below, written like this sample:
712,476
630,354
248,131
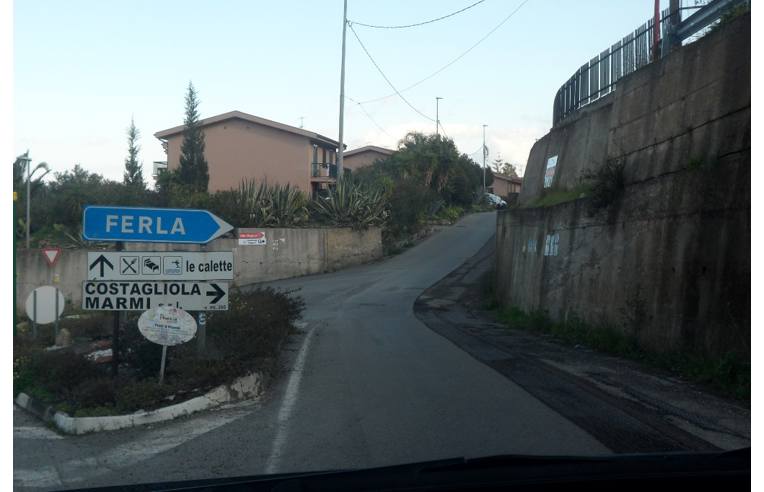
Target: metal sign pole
115,333
201,333
34,313
55,326
161,365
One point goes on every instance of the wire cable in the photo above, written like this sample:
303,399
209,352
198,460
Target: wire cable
368,116
385,76
421,23
444,130
452,61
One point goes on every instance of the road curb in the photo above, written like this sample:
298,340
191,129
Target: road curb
244,387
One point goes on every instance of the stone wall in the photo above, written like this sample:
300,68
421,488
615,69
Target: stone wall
288,253
668,261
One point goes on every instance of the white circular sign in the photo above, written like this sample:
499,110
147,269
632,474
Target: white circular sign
43,309
167,325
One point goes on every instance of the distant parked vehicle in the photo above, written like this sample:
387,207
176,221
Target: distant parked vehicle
495,200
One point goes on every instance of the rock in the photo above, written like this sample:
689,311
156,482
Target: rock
100,356
101,344
64,338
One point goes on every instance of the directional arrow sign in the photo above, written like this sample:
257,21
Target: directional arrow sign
100,264
156,265
217,292
140,296
151,225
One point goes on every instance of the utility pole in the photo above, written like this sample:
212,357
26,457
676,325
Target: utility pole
340,155
437,120
484,153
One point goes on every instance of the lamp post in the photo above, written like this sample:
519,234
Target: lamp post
28,162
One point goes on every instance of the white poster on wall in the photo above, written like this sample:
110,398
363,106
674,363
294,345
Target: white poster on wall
551,165
256,238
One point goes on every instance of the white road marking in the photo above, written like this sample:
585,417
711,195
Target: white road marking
30,432
287,405
43,477
130,453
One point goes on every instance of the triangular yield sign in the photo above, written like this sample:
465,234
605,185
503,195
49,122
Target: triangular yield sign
51,255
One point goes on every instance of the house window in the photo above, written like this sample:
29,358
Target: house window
315,153
324,155
552,244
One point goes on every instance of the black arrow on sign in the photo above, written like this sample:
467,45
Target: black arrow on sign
101,261
218,292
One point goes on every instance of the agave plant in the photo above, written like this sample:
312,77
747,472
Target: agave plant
350,204
288,206
263,205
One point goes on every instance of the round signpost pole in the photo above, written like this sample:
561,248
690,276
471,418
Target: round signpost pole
161,365
201,334
55,327
34,312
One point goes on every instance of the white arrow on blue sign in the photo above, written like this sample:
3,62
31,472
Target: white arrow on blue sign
151,225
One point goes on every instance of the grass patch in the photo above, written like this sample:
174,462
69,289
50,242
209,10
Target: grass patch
556,197
729,374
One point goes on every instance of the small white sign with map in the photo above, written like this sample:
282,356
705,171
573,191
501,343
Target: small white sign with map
167,325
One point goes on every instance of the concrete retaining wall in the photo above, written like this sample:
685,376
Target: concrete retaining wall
668,261
288,253
693,103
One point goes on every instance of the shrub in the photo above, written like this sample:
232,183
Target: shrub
408,204
139,353
351,204
62,371
606,184
94,393
255,324
195,373
451,214
142,395
88,325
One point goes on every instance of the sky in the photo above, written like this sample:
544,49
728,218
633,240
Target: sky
83,69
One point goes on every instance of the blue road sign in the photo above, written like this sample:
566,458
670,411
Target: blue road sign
151,225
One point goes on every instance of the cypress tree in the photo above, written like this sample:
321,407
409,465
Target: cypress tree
133,167
193,170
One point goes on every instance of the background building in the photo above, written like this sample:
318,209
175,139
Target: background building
242,146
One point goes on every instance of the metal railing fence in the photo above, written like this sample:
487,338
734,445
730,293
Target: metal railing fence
600,75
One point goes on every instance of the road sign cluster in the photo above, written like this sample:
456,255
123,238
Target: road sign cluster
142,280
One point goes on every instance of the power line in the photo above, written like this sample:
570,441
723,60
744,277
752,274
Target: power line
385,76
369,116
452,61
421,23
444,130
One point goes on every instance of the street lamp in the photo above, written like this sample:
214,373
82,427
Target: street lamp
28,162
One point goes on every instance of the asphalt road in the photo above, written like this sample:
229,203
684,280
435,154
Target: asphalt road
369,385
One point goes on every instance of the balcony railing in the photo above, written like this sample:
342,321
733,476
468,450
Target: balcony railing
323,170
